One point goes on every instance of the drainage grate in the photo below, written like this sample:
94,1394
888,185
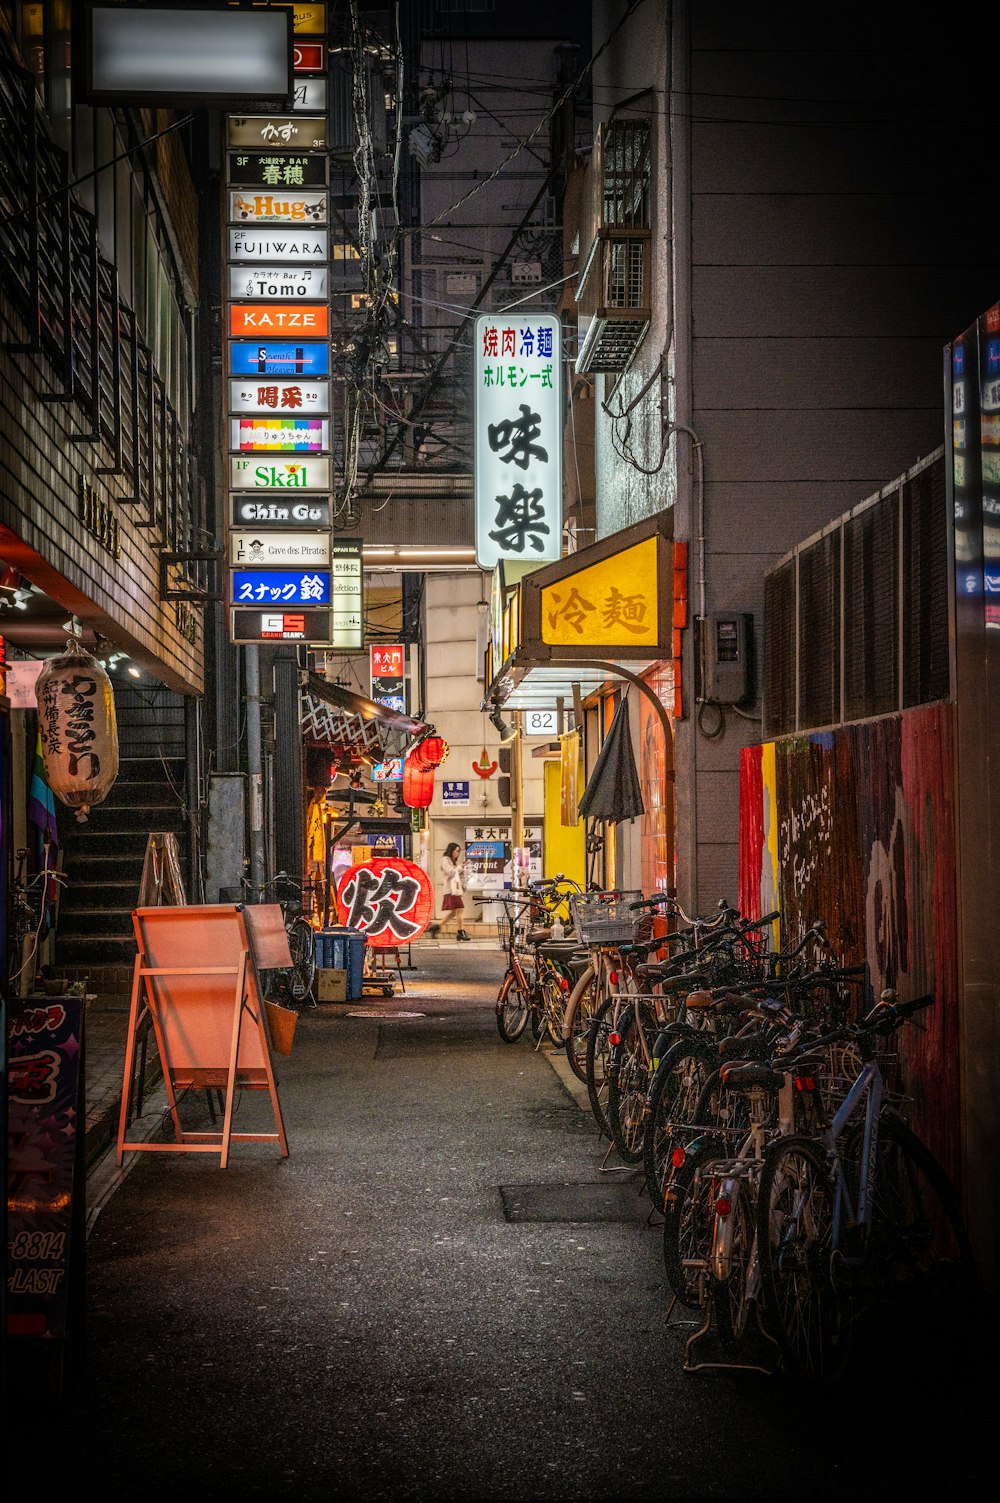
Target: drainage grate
566,1203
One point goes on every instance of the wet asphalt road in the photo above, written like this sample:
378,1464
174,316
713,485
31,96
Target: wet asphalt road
364,1320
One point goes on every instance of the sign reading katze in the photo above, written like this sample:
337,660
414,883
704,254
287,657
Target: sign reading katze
305,321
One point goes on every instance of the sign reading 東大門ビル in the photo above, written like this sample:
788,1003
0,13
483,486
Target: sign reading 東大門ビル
518,438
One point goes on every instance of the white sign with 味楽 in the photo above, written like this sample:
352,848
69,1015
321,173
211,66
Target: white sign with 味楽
518,438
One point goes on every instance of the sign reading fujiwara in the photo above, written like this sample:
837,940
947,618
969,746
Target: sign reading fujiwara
281,626
312,474
263,511
258,246
280,549
301,435
307,320
276,207
303,133
279,396
280,283
277,359
277,169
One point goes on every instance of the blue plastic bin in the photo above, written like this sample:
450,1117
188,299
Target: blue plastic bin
342,949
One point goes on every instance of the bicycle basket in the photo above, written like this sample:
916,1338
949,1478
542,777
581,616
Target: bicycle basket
604,917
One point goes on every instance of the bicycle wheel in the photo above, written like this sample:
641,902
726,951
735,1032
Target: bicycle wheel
581,1009
513,1008
628,1083
303,971
688,1221
919,1254
807,1316
732,1250
673,1096
599,1060
554,1009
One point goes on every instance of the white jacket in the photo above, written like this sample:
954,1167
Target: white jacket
453,873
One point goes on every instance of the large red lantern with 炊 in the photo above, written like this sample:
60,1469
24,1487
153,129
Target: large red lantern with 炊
388,899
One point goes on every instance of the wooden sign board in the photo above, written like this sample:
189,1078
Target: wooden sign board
195,979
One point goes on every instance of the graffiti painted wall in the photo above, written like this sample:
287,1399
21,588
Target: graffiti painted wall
857,827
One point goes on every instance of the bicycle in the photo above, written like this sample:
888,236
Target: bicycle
858,1207
291,985
539,968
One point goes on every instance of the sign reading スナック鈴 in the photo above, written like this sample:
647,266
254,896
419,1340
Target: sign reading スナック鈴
518,438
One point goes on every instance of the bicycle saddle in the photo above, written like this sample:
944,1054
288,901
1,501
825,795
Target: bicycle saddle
739,1076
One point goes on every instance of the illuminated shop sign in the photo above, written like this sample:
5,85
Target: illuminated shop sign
286,435
281,283
309,94
348,615
281,626
280,587
277,132
279,549
304,321
518,438
279,396
265,511
256,358
261,246
309,57
276,169
272,206
289,475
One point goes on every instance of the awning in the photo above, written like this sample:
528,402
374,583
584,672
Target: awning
575,622
350,724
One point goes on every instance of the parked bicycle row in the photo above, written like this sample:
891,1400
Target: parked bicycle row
756,1090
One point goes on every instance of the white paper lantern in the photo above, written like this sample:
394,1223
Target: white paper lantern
76,717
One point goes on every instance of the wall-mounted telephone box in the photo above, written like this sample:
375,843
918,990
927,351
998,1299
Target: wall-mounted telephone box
726,658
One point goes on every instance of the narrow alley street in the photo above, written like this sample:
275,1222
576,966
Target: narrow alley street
438,1295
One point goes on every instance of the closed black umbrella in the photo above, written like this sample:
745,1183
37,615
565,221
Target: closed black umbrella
613,790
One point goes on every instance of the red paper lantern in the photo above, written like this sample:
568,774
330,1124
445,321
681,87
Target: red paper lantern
430,752
418,785
388,899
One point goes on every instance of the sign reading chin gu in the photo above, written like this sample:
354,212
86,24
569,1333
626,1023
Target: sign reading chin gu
518,438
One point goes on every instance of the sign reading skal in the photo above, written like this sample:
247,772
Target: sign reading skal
261,511
275,358
278,549
281,626
312,474
302,435
281,169
280,587
283,284
305,321
279,396
518,438
277,132
275,206
258,246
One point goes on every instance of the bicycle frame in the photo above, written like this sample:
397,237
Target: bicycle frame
870,1087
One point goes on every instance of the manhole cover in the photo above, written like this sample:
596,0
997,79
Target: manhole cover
586,1202
378,1012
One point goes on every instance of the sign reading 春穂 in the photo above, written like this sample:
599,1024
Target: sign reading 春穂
518,438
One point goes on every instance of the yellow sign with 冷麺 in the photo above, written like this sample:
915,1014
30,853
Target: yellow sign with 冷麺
611,604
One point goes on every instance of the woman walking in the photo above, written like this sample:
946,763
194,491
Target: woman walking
452,902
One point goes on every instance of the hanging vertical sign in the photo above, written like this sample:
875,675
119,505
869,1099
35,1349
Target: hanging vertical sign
387,669
518,438
347,628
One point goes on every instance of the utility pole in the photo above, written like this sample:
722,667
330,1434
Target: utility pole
251,668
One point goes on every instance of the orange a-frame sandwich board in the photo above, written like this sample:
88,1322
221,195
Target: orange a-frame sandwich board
195,978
